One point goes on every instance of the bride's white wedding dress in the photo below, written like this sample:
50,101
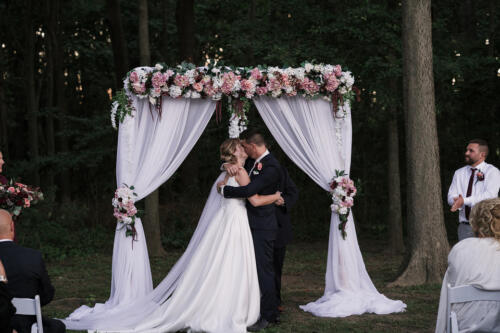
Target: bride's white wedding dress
219,290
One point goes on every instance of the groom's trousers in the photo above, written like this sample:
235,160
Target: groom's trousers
264,256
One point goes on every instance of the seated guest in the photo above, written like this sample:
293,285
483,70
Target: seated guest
27,277
476,262
7,310
3,180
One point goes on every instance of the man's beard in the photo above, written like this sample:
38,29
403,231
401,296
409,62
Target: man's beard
469,160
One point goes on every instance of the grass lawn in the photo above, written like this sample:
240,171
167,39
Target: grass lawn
86,281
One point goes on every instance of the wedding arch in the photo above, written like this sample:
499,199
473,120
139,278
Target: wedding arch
161,113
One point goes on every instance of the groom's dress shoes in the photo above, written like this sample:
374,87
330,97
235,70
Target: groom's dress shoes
259,325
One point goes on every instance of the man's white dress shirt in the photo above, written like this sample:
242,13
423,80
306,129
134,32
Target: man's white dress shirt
481,189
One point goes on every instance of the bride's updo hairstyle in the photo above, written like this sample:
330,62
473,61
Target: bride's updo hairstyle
227,149
485,218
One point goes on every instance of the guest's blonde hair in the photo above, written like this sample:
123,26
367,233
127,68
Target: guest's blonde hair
485,218
227,149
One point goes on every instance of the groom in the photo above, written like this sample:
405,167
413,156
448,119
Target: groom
265,175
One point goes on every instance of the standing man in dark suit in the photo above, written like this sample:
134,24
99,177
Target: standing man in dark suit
27,277
289,196
265,177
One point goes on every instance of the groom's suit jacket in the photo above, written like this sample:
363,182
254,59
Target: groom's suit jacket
265,181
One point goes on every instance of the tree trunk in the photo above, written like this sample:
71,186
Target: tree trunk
144,51
428,243
185,27
61,103
49,120
164,34
152,221
394,211
4,137
32,107
120,53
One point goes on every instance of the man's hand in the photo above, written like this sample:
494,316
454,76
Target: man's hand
231,169
220,184
280,201
458,202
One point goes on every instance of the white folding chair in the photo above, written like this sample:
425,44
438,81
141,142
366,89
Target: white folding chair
30,306
465,294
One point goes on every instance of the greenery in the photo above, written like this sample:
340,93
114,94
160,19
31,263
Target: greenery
303,281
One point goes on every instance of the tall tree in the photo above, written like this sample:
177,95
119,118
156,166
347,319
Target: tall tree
393,185
185,26
31,99
152,223
50,15
120,53
56,39
428,243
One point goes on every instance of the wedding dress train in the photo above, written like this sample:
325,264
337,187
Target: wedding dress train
216,290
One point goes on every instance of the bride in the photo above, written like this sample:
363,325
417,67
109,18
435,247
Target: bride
218,291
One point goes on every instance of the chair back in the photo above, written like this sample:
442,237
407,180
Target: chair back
30,306
465,294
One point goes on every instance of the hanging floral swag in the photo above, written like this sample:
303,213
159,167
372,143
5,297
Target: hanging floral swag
237,84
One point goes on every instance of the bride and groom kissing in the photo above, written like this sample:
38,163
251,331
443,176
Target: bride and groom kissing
255,174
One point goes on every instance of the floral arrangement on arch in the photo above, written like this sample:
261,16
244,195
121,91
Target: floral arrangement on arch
125,210
343,191
242,83
16,196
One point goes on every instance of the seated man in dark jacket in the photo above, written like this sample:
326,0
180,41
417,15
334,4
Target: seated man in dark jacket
27,277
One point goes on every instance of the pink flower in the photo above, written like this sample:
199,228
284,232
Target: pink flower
332,82
169,73
198,86
337,70
159,79
11,189
229,79
181,80
256,74
133,77
247,85
139,88
209,89
261,90
273,84
309,86
26,203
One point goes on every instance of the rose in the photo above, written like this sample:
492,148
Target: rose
134,77
181,80
261,90
11,189
256,74
337,70
480,176
159,79
198,86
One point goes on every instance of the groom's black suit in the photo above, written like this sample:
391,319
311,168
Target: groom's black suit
264,225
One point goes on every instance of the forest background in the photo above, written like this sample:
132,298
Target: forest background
62,61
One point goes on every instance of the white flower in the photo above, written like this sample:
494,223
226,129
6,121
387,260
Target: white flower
114,109
327,69
159,67
175,91
318,68
195,94
152,100
343,90
217,82
308,67
216,70
339,192
299,73
289,71
343,210
187,94
217,96
127,220
276,93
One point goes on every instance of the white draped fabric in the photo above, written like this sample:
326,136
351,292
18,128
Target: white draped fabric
150,149
320,144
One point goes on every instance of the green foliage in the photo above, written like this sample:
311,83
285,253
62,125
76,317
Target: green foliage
361,35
